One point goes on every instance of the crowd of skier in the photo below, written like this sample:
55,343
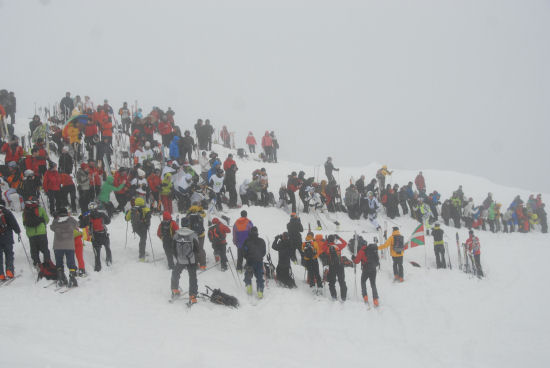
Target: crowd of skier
99,157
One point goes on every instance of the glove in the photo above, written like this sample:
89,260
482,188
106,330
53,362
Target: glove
19,238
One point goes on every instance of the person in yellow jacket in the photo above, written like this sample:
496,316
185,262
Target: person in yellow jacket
140,217
311,251
381,176
396,244
166,189
196,215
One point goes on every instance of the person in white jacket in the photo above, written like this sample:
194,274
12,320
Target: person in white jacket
468,213
204,163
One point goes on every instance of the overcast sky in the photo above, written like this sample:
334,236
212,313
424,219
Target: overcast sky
456,85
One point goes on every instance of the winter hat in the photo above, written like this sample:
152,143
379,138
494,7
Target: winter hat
244,213
141,173
28,173
166,216
330,238
215,221
395,228
65,148
254,231
140,202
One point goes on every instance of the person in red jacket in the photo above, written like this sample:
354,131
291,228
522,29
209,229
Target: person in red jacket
226,137
216,235
165,130
165,232
52,186
154,185
474,249
41,155
67,189
95,179
336,266
13,150
420,183
228,162
267,145
107,130
368,257
251,142
121,176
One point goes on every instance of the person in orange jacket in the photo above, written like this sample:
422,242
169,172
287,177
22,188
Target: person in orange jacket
165,232
52,186
13,150
251,142
79,252
311,252
396,244
154,185
336,266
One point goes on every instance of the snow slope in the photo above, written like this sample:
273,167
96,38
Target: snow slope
437,318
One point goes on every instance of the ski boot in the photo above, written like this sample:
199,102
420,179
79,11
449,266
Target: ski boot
9,274
366,299
2,277
376,302
249,289
81,272
72,279
260,294
61,277
401,279
192,299
224,267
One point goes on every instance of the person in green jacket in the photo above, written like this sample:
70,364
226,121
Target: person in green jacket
491,216
105,194
35,220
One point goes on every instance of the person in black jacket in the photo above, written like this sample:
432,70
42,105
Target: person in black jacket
67,106
65,161
329,168
368,256
293,184
8,225
208,131
295,229
286,249
254,249
439,246
186,147
230,182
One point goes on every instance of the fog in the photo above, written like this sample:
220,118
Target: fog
454,85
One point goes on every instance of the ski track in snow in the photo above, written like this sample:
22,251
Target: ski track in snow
436,318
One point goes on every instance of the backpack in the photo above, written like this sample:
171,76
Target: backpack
333,256
309,250
47,271
166,230
136,217
371,252
214,235
398,244
196,223
31,217
184,250
3,224
219,297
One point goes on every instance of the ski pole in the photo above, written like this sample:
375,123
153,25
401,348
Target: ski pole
151,243
235,265
126,239
234,276
26,254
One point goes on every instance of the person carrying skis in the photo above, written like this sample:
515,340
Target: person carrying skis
287,250
166,230
474,248
186,246
367,255
381,176
195,217
8,226
251,142
140,218
396,244
63,227
335,266
241,230
254,250
96,220
329,168
216,235
439,246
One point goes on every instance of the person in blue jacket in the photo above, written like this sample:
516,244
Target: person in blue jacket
174,148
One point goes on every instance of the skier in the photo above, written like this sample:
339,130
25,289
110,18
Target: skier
216,235
251,142
397,246
65,161
195,217
381,176
287,250
105,195
267,145
96,220
140,218
52,185
254,250
336,267
329,168
166,192
8,226
185,245
63,227
292,186
372,207
420,183
83,185
216,183
474,249
241,230
166,230
311,251
439,246
368,256
35,220
295,229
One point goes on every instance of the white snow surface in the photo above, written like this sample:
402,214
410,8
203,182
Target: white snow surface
120,317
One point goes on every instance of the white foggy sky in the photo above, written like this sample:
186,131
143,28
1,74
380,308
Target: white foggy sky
457,85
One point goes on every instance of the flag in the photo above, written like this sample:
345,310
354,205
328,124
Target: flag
417,237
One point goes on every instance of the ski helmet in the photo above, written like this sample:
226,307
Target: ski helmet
92,206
